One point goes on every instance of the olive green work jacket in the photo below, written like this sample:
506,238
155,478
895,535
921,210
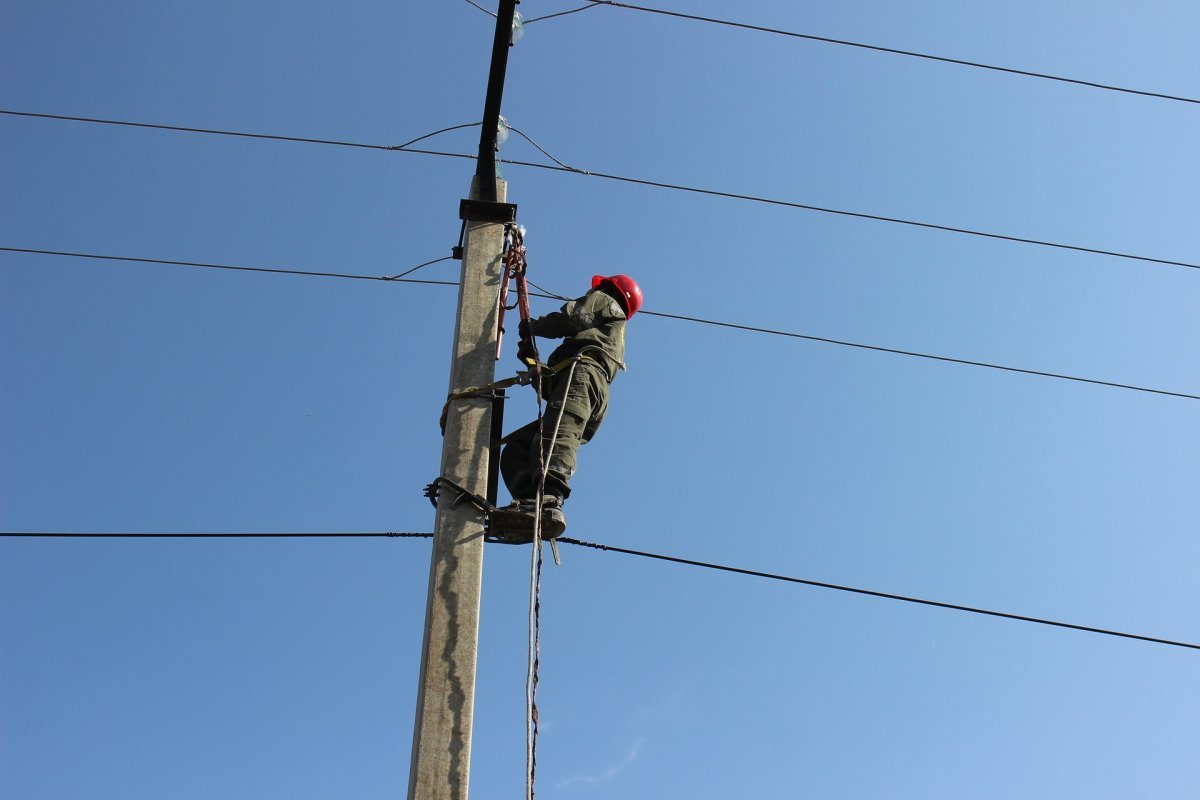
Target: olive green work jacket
594,321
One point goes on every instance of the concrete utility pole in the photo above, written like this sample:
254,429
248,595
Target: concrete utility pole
441,755
441,751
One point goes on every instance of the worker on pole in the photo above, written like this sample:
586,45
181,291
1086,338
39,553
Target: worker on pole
576,387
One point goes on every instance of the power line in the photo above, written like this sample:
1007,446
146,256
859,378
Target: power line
915,354
890,50
640,553
435,133
411,270
481,8
240,268
855,214
588,7
536,19
213,131
646,312
405,148
873,593
880,349
640,182
543,151
76,535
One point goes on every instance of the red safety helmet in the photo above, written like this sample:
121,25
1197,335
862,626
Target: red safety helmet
626,287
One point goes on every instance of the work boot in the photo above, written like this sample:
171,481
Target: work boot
513,523
554,522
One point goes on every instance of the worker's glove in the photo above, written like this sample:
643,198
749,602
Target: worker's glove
524,329
525,351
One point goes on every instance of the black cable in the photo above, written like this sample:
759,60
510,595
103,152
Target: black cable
872,593
214,131
387,534
588,7
543,151
856,214
481,8
411,270
915,354
640,182
626,551
546,293
393,279
880,349
681,317
242,134
893,51
843,343
435,133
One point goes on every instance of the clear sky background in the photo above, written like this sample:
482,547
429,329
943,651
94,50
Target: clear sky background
140,398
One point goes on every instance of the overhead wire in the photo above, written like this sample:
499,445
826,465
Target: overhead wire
588,7
241,268
890,50
411,270
537,19
404,148
435,133
481,8
543,151
875,217
208,535
545,293
559,167
186,129
916,354
644,554
680,317
854,214
872,593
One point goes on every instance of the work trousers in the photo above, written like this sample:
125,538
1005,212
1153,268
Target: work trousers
582,402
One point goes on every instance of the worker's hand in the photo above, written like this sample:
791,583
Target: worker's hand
524,329
525,351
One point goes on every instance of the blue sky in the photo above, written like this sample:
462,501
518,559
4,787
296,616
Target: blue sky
142,398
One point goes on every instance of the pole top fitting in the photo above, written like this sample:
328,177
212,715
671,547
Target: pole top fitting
486,211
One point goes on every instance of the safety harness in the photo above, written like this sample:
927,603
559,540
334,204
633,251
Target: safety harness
537,374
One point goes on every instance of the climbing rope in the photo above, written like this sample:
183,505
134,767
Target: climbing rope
535,646
515,266
535,602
